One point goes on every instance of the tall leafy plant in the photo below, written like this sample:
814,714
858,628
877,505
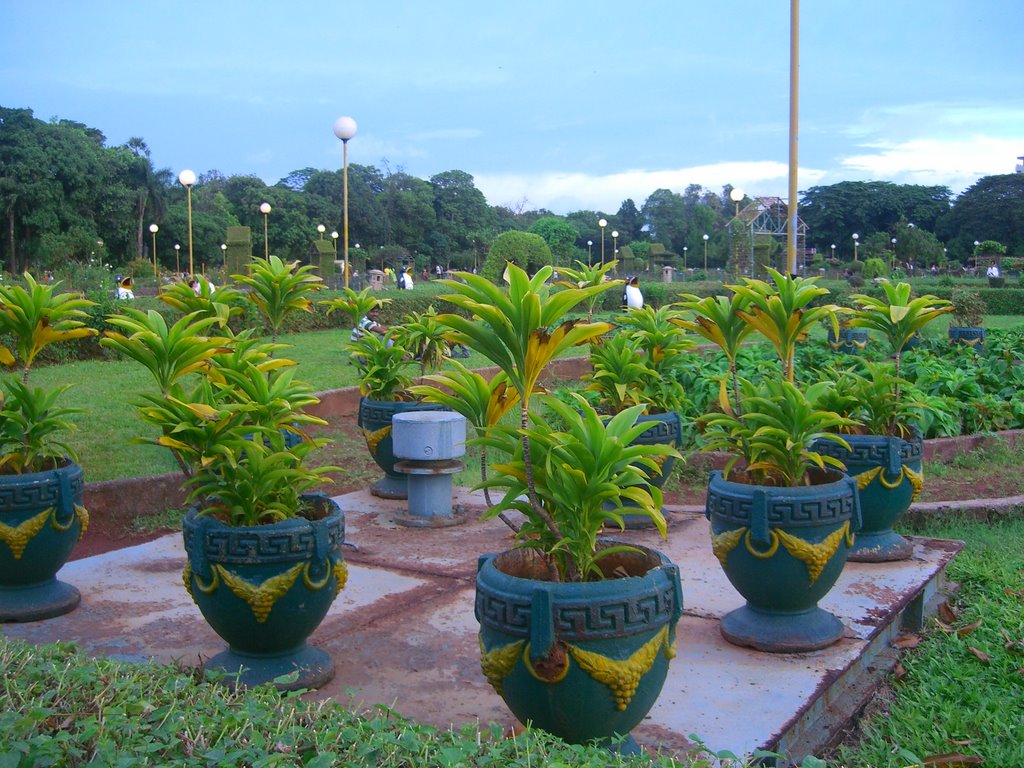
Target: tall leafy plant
34,316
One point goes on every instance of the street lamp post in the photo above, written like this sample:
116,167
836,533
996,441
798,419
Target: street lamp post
602,223
976,244
177,260
265,210
334,238
685,249
833,253
153,228
345,129
892,264
187,179
615,246
321,229
224,253
590,251
856,242
706,236
736,195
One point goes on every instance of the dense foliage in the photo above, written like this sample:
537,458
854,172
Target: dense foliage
68,198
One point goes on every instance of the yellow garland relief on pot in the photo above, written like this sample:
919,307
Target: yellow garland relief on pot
622,676
814,556
916,480
373,438
262,597
17,537
497,663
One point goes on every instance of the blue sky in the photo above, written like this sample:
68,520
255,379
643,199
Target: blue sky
564,105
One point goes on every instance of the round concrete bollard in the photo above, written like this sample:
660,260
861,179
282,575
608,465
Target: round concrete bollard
429,444
429,435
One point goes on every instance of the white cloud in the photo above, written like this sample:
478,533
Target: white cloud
956,163
565,192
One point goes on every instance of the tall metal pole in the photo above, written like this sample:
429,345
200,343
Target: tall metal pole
344,196
191,266
794,111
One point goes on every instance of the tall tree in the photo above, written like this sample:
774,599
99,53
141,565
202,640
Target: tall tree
459,206
990,209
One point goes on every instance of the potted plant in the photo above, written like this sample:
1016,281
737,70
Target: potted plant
580,680
968,313
637,365
850,339
884,448
263,551
385,364
41,512
782,514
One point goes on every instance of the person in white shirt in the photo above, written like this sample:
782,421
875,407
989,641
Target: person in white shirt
632,297
369,324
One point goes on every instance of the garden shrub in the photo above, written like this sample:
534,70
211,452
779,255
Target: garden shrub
523,249
874,268
968,308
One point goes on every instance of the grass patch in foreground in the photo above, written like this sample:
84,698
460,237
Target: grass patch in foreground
963,685
59,707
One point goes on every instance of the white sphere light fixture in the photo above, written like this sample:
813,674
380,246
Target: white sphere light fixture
265,208
187,178
345,128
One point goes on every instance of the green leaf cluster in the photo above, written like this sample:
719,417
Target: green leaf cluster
33,317
232,413
772,438
582,475
278,288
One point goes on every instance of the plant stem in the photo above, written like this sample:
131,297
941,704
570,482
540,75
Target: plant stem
532,492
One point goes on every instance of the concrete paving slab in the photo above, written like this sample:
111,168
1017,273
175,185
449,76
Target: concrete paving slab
402,633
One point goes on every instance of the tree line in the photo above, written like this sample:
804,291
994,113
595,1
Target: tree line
66,196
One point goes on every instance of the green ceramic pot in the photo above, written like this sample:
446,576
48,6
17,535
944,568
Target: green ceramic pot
782,549
265,588
851,341
967,337
582,661
889,475
663,429
375,421
41,520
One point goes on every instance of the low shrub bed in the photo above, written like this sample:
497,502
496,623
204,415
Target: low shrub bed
60,707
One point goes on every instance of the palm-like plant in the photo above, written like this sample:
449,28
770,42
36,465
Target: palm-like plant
520,330
34,316
580,477
30,425
897,317
782,312
588,276
384,369
617,372
423,336
354,305
773,436
483,403
278,288
37,317
167,352
224,302
869,400
243,396
718,319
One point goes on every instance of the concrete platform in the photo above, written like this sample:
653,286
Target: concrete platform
134,606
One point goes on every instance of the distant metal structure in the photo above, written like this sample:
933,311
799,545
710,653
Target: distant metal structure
757,227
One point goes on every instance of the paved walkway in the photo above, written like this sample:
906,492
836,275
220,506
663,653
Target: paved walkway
402,633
